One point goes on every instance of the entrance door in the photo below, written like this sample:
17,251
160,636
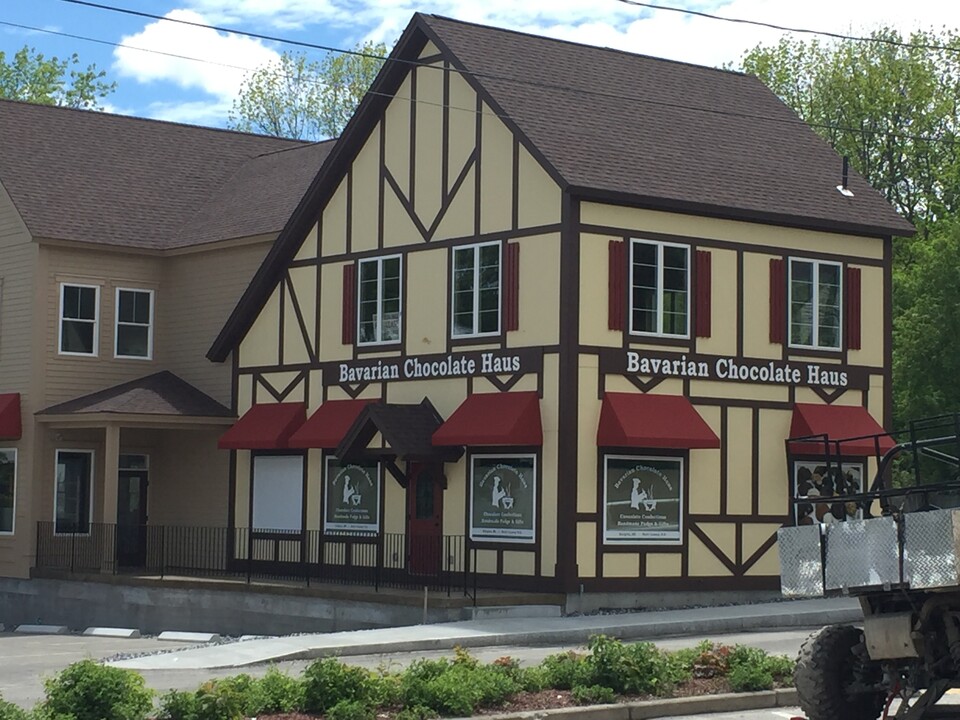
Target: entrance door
132,511
424,518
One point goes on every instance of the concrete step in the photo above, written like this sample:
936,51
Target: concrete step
500,612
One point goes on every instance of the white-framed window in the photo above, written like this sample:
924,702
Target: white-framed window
476,290
816,299
79,332
73,492
503,497
8,490
379,304
278,493
134,325
659,288
642,500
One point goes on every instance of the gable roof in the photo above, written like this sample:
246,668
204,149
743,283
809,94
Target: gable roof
128,182
615,127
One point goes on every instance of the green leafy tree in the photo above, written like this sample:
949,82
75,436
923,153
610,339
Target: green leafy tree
304,99
32,77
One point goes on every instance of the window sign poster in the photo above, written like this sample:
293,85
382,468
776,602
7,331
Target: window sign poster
821,486
503,498
643,498
352,497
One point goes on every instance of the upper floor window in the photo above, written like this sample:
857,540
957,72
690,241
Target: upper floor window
79,319
659,288
815,302
476,290
134,331
379,305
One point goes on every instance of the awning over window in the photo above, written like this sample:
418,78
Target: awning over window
837,422
10,424
327,426
510,418
265,427
652,421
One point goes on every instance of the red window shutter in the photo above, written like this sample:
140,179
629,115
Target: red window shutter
853,308
511,287
778,301
704,293
348,329
617,282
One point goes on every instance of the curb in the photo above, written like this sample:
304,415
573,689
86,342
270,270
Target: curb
191,637
42,629
111,632
668,707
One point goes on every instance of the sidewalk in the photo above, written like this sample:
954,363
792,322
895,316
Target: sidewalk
513,631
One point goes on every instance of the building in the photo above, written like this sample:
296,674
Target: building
550,312
124,244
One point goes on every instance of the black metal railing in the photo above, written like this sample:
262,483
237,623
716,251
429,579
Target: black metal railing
445,563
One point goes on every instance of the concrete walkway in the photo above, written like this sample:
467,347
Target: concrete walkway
506,632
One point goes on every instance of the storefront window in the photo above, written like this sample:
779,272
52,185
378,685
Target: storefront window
643,500
821,486
503,498
8,489
659,288
352,497
73,492
815,297
278,493
476,290
379,306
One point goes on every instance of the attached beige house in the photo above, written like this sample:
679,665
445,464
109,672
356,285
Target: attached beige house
124,245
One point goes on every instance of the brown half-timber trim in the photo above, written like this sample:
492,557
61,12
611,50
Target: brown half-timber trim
755,462
445,134
888,333
406,203
413,144
714,550
724,444
740,310
298,313
759,553
477,148
515,209
381,185
683,583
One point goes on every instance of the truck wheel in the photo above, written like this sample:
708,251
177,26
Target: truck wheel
824,673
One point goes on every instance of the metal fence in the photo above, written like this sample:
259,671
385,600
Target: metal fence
445,563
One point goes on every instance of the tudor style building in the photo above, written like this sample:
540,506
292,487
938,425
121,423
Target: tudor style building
565,303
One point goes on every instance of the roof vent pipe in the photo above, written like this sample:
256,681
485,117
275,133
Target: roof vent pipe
842,187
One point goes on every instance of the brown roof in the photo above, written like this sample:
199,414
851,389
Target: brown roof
407,431
122,181
162,393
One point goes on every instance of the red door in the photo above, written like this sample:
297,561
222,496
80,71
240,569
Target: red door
424,518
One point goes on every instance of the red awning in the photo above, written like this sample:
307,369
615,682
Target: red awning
327,426
265,427
837,422
11,427
509,418
652,421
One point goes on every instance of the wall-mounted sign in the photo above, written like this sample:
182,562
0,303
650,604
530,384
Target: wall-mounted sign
428,367
503,498
642,500
821,486
352,497
732,369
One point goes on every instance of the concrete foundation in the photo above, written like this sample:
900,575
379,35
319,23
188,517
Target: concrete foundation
592,602
241,611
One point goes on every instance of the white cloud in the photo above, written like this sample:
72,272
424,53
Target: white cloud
197,112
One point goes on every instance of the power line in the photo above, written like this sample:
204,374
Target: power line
476,74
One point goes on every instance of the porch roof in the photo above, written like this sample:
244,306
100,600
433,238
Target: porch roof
407,432
162,396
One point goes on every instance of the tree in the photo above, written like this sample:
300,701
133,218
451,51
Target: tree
31,77
309,100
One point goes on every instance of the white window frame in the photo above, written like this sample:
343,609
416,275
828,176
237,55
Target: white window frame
816,305
257,525
92,480
379,261
476,290
660,245
16,468
117,323
96,321
682,499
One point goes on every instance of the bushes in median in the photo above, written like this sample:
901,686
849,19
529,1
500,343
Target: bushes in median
426,689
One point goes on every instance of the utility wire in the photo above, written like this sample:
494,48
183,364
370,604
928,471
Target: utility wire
417,63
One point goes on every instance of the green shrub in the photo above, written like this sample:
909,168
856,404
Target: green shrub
463,658
350,710
178,705
593,695
328,682
448,694
414,680
750,678
564,670
780,666
418,712
89,691
640,668
532,679
9,711
277,692
386,690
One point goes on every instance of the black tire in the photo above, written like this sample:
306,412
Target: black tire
823,675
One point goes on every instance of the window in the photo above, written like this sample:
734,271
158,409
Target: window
643,500
476,290
8,489
659,288
379,306
503,498
79,319
73,496
134,336
815,301
821,486
278,493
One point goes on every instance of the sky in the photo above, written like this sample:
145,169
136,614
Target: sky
183,73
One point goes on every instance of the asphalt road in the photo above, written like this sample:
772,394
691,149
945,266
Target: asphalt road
25,660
